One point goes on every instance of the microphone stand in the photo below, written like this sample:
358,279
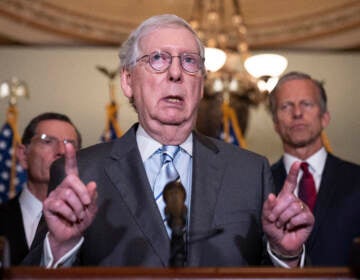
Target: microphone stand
174,195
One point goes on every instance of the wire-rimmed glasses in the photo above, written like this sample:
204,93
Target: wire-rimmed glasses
160,61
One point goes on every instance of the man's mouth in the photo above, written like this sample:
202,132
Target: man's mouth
298,126
174,99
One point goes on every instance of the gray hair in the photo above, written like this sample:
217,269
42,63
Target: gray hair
298,76
130,49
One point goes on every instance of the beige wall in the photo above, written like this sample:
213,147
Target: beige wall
66,80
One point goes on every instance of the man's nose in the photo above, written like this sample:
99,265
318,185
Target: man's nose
297,111
175,69
60,148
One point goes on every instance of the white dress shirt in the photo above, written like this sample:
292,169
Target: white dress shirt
316,166
31,210
152,161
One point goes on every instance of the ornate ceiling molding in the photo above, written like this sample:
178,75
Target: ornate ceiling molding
52,22
48,18
311,26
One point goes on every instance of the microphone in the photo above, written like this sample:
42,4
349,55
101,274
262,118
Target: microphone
174,195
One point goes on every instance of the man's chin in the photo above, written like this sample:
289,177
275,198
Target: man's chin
300,143
173,121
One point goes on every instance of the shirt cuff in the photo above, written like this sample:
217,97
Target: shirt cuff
65,261
279,263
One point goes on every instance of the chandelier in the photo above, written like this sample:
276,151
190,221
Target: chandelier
235,78
220,25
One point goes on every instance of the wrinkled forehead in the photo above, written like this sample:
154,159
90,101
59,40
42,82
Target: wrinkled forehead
169,38
298,89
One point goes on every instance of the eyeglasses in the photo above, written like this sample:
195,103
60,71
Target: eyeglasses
160,61
52,141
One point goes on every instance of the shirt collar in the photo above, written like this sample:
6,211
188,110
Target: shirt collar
149,145
29,202
316,161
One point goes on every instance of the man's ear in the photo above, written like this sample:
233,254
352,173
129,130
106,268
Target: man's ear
325,119
21,155
126,81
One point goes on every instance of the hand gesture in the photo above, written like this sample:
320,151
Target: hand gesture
287,221
70,208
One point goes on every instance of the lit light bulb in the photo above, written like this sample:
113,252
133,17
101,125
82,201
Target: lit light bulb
214,59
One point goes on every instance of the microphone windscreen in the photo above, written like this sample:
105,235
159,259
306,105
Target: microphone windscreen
174,196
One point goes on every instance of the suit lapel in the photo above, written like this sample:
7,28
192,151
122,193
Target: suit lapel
279,174
17,236
127,172
136,193
40,234
19,230
207,173
325,195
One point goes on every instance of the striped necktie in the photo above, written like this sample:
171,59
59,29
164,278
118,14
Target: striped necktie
166,174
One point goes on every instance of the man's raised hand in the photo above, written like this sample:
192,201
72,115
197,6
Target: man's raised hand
287,221
70,208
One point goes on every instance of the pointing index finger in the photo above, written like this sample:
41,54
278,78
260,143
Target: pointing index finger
71,167
291,179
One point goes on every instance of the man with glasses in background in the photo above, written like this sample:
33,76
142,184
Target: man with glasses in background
42,143
105,206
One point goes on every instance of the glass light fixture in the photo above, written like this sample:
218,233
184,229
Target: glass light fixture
266,68
214,59
259,65
267,84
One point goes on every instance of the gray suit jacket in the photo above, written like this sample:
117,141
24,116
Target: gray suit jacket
229,188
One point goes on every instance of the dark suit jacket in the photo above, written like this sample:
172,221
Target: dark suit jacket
337,211
12,227
228,190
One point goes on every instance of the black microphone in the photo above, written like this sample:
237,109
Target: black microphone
174,195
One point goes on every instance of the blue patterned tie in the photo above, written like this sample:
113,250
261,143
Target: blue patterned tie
166,174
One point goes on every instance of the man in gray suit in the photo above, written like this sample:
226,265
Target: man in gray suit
103,210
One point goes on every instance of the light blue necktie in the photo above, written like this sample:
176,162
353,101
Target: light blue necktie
166,174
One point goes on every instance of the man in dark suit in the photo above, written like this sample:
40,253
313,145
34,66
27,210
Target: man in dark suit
109,215
298,105
40,146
